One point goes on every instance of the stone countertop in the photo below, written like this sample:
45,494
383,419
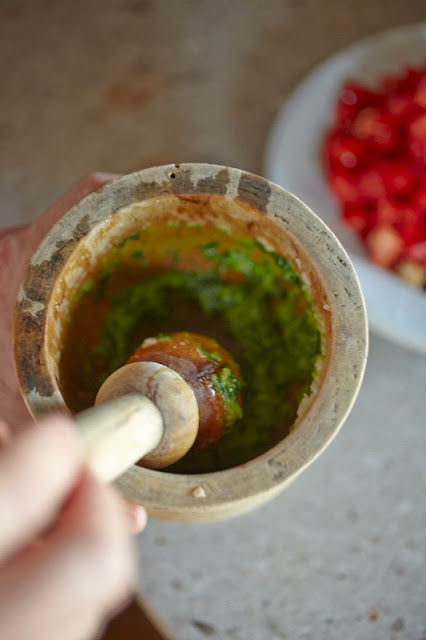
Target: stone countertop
339,554
125,84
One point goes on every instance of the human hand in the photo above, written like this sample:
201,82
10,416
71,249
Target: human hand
17,244
66,560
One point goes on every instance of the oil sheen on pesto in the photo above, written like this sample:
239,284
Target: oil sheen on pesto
169,278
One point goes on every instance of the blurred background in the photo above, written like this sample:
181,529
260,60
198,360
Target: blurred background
120,85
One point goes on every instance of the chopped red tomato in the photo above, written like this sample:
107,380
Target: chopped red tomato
359,217
400,106
401,175
344,187
420,93
352,98
385,246
417,253
377,127
420,197
374,157
417,135
371,185
344,151
388,212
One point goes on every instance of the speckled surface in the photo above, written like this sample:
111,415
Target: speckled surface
122,85
340,554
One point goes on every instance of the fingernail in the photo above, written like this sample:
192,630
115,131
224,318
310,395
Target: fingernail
137,518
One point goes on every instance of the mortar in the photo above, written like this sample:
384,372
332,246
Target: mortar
193,196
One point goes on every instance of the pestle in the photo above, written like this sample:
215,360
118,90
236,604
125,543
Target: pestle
176,392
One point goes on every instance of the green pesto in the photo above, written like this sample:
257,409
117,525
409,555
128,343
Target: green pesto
229,386
250,299
225,382
87,286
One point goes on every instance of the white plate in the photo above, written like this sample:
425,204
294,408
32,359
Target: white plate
396,310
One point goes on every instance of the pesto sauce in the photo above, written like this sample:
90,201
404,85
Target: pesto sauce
228,387
251,300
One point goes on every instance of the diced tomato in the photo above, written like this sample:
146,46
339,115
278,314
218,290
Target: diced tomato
417,252
405,219
401,175
352,98
400,107
392,84
387,212
385,246
375,163
377,127
344,187
344,151
417,136
359,218
403,83
409,225
419,198
371,185
420,93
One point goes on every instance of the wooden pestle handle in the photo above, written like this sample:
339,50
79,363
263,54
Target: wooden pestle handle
143,410
117,434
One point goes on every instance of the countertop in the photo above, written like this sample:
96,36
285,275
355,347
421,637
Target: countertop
340,554
125,84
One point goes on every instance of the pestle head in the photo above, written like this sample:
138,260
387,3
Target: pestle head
195,384
211,372
170,394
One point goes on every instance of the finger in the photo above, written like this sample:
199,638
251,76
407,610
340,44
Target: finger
17,244
84,572
37,471
13,229
95,516
136,517
4,434
89,183
13,258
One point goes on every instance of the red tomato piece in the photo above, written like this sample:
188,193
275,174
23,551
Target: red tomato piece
375,162
352,98
402,83
385,246
344,151
344,187
417,136
408,224
420,93
371,185
401,175
387,213
359,218
377,127
400,107
417,253
419,198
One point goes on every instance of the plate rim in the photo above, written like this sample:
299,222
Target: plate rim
414,338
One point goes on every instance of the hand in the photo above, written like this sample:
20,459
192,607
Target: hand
17,244
66,560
